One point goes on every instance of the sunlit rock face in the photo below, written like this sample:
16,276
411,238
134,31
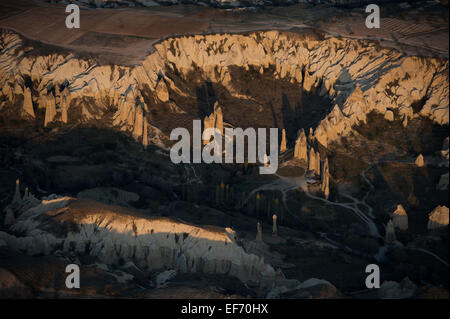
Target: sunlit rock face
400,218
438,218
358,76
301,147
420,162
115,234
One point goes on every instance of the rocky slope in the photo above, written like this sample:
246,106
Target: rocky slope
358,76
116,235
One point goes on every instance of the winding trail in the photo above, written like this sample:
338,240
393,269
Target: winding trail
286,184
353,206
283,184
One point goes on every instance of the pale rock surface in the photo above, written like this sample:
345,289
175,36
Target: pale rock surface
325,187
301,147
354,73
138,122
274,225
283,141
145,134
64,104
394,290
400,218
113,233
438,218
318,164
405,121
389,115
214,120
27,108
164,277
420,162
312,160
50,109
218,111
161,91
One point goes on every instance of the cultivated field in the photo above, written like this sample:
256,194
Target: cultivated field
129,34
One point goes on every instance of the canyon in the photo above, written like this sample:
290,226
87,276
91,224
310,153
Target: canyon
362,174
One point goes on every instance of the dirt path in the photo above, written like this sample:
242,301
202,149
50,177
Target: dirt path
283,184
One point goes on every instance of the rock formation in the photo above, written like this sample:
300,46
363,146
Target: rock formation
145,134
357,88
131,116
259,232
17,197
164,277
214,120
390,237
161,91
389,115
138,122
274,226
400,218
312,160
301,147
50,108
438,218
311,136
113,233
420,161
283,141
318,164
266,160
325,187
64,105
27,108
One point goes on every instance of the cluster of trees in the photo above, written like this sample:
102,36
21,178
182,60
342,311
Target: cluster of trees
223,196
264,205
261,205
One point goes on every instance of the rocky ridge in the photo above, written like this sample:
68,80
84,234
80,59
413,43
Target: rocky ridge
116,235
359,76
